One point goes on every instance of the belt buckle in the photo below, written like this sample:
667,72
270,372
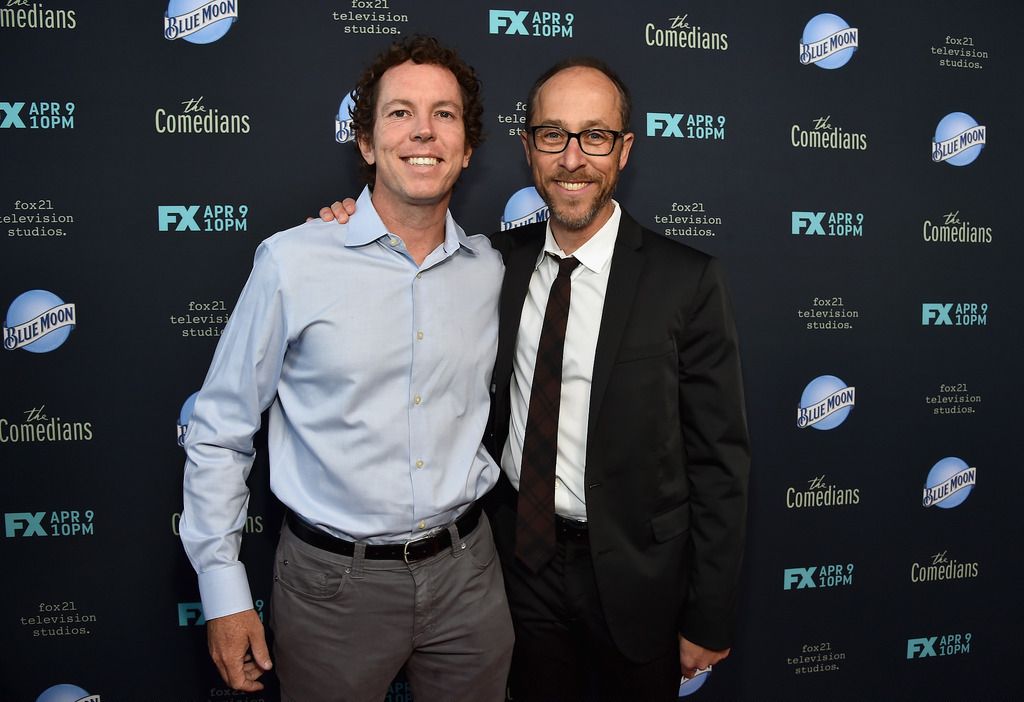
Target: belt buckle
405,547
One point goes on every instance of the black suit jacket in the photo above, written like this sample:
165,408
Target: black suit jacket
667,449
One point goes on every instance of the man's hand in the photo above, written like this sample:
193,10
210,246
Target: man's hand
693,657
338,211
239,649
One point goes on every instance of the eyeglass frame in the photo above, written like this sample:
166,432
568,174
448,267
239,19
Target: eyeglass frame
616,135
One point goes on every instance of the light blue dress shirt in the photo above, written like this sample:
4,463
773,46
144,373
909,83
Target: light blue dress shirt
376,373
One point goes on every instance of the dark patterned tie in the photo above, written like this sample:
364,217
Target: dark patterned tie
535,526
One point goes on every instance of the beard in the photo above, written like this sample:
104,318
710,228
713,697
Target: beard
576,218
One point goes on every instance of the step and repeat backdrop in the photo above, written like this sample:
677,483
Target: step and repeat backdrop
856,167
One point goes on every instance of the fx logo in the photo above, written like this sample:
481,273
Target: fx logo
937,311
655,120
801,577
11,111
191,613
921,648
808,223
30,522
182,216
514,20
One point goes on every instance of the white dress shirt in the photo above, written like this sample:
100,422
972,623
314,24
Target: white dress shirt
589,282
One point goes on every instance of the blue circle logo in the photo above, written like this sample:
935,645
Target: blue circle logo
185,415
524,207
66,693
949,483
343,132
688,686
825,403
199,21
38,321
828,42
958,139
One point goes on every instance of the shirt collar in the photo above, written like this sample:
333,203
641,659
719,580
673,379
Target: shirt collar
366,226
597,252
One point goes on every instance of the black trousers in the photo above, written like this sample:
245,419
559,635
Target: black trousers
563,650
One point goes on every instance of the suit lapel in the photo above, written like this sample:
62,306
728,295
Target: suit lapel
520,260
627,264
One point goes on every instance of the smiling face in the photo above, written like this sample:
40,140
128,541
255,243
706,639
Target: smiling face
419,139
577,187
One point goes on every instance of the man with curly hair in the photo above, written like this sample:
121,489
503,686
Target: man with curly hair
375,366
619,417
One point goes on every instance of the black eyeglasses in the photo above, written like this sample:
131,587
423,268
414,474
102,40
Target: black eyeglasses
593,142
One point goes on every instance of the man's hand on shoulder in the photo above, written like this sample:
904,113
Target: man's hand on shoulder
239,649
693,657
338,211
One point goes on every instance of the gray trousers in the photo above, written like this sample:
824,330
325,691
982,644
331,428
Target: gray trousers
345,626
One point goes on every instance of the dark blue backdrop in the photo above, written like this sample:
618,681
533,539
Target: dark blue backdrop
99,193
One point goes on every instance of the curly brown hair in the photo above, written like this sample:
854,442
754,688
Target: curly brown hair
423,50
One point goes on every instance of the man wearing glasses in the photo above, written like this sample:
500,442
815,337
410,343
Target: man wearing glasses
619,419
621,522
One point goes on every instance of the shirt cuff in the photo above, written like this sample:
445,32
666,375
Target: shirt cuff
225,591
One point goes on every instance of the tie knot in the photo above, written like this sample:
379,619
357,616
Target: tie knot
565,265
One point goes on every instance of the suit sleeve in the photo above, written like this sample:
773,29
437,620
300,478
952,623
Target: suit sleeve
714,430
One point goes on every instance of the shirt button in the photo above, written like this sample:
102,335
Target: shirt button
419,275
419,464
422,525
393,241
417,400
419,336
